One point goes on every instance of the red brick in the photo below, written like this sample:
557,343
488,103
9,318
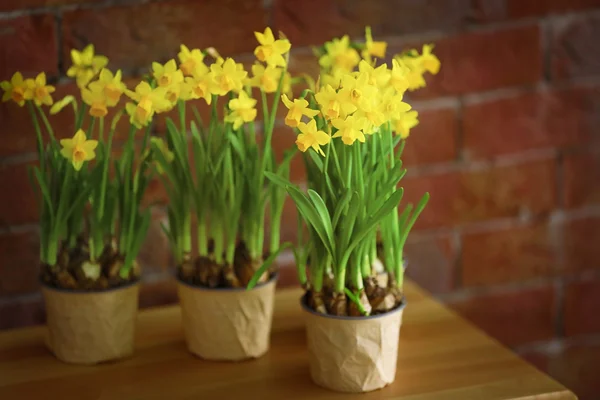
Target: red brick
481,61
531,120
9,5
575,50
155,254
133,36
475,195
581,174
581,308
581,244
19,262
288,276
486,10
21,312
158,293
431,262
19,203
513,254
529,8
434,139
312,22
28,44
512,317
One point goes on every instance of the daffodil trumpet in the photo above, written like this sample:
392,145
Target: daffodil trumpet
351,128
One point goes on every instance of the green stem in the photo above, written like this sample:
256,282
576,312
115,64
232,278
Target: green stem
38,132
202,240
46,124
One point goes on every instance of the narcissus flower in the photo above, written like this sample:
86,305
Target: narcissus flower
379,77
95,97
414,71
392,105
310,136
242,110
349,129
399,76
148,101
271,51
339,54
168,74
16,89
429,60
189,60
199,85
297,109
112,86
329,101
228,76
355,91
267,79
78,149
405,123
85,65
40,92
62,103
372,48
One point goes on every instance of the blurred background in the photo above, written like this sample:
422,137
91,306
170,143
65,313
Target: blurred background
508,147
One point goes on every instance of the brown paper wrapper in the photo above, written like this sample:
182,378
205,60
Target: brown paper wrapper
227,324
353,354
91,327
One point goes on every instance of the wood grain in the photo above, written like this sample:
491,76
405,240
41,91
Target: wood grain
441,356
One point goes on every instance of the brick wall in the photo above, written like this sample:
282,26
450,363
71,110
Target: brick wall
509,147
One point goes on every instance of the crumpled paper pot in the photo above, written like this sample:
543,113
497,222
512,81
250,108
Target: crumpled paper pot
227,324
91,327
353,354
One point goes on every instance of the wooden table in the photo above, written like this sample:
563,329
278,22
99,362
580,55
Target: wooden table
441,356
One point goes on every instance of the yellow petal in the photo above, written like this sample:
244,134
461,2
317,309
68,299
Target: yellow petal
79,137
90,145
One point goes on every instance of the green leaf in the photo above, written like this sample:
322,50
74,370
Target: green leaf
356,300
323,213
266,264
278,180
45,192
341,206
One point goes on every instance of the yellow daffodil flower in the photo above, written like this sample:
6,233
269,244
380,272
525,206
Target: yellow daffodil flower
40,92
392,105
148,101
334,78
399,76
168,74
228,76
310,136
78,149
372,116
372,48
95,97
189,60
17,89
199,85
330,104
339,54
349,129
112,86
271,51
414,71
242,110
355,91
379,77
405,123
297,109
267,79
429,60
65,101
85,65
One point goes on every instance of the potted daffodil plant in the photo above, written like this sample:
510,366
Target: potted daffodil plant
219,195
351,129
91,224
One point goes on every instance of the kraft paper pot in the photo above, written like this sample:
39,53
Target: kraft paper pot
229,324
91,327
353,354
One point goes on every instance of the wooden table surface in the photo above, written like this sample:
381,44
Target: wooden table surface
441,356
